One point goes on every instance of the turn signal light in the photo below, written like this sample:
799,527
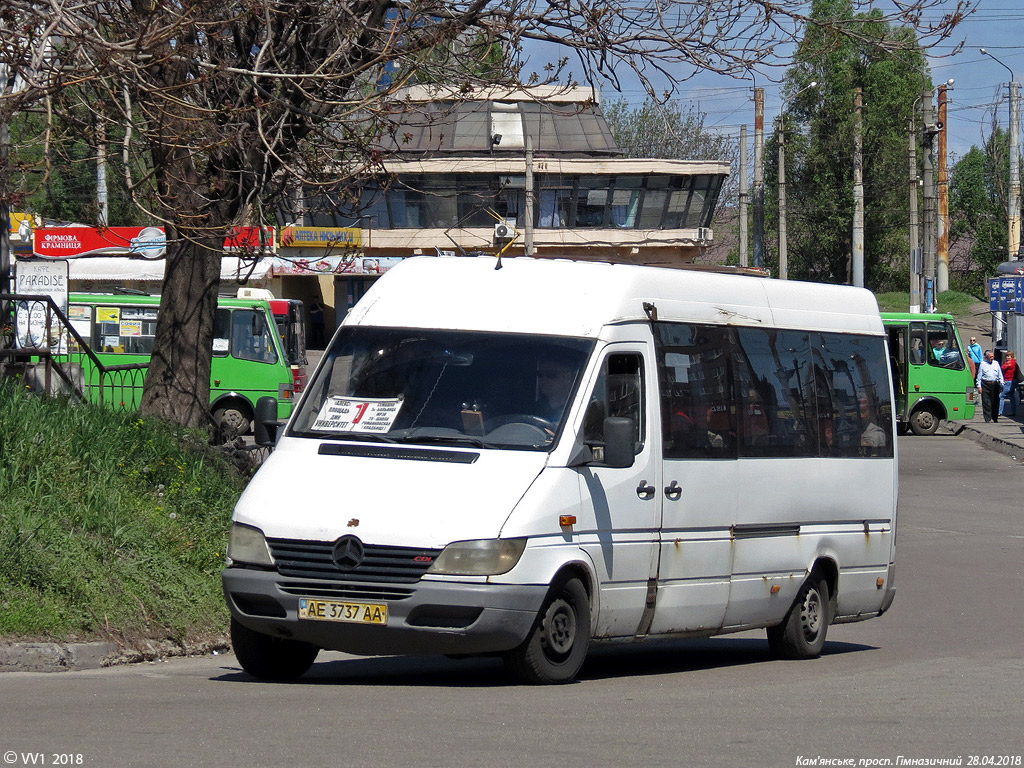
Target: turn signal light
880,582
565,520
775,589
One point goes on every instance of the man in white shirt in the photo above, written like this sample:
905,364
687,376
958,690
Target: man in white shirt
990,384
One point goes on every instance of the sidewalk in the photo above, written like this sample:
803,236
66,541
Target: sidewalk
1005,436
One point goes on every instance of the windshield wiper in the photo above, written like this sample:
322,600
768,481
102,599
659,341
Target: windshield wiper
362,437
476,442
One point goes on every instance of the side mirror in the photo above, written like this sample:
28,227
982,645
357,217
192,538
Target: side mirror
619,445
266,423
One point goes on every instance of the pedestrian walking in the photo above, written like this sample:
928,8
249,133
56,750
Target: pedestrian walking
990,384
316,324
1011,375
975,355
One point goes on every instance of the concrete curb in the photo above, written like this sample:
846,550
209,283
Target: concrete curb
64,657
1014,450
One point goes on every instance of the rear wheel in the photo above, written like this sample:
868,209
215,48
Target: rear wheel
270,658
924,422
233,421
558,643
801,635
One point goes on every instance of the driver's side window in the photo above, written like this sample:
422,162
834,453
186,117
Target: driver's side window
619,392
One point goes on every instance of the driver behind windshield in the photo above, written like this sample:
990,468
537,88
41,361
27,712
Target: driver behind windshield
554,382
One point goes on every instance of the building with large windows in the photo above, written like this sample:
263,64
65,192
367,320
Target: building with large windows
462,171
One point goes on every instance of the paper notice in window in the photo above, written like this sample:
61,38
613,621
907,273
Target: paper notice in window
353,414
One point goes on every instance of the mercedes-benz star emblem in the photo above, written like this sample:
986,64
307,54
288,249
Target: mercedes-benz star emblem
348,553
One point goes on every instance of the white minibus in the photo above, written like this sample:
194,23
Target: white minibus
528,457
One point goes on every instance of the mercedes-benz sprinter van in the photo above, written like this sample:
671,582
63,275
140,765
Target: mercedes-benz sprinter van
525,457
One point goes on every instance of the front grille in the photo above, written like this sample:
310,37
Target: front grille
339,591
314,560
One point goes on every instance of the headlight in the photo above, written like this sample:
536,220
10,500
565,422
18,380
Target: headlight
248,545
487,557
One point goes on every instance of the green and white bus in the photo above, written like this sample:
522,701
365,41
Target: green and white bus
931,376
249,361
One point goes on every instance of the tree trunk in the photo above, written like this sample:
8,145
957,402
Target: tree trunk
178,383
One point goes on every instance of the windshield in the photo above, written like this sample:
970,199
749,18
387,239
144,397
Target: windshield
432,386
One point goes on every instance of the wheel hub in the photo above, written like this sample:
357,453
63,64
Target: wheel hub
560,627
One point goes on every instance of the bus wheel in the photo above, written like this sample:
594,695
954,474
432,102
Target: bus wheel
801,635
232,421
924,422
270,658
557,645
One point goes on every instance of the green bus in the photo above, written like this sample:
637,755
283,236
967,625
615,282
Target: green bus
249,361
931,375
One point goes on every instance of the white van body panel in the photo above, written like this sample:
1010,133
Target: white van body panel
416,504
667,546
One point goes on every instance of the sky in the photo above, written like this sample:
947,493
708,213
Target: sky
980,86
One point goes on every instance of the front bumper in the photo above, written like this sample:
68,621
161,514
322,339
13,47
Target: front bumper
423,618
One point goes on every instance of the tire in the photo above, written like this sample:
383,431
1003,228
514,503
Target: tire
270,658
924,422
557,644
801,635
232,421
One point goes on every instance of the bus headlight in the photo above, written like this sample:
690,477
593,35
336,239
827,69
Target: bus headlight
486,557
248,545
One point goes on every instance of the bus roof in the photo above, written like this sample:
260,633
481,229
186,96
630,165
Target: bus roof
135,299
920,317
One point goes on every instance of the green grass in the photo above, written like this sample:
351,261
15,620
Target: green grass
952,302
110,525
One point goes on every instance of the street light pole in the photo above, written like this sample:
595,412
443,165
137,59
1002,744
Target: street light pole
1013,203
783,235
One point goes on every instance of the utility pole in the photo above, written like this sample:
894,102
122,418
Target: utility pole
942,247
744,198
528,206
6,86
102,206
783,233
858,190
915,224
1014,243
759,177
928,180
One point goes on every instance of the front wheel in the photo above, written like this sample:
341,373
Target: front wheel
270,658
924,422
557,644
801,635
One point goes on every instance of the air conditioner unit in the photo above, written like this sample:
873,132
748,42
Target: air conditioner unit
504,230
255,293
704,234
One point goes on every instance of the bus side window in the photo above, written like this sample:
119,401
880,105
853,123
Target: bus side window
222,333
250,337
917,344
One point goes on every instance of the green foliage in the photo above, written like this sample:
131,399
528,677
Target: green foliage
819,125
951,302
978,218
63,187
110,525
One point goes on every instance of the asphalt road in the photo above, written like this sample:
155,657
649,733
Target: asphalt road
940,677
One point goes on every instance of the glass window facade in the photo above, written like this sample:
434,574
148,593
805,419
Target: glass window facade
563,202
